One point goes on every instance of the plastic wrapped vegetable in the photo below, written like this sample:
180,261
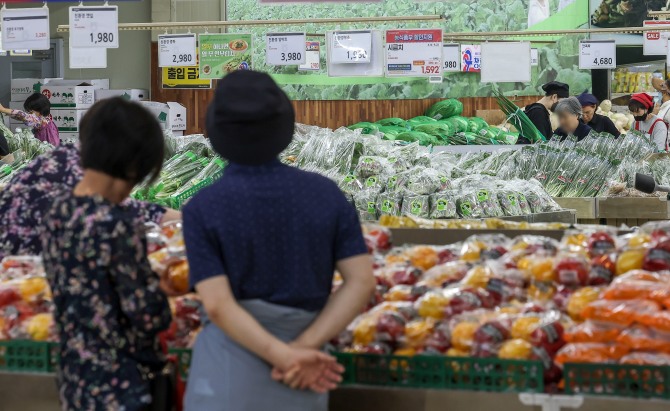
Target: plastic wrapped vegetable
509,201
438,129
592,332
416,206
458,124
646,358
468,206
640,338
393,121
476,124
445,109
623,312
488,200
366,205
417,136
590,353
365,127
350,185
374,183
425,182
419,120
390,203
443,205
391,132
372,166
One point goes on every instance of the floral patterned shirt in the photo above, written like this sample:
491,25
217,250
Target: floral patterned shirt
30,194
43,127
109,308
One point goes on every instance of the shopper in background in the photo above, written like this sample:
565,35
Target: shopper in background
569,112
538,113
37,115
664,110
597,122
4,148
30,193
641,105
109,305
262,244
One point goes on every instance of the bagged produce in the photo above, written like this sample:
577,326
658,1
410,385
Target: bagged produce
590,332
350,185
509,201
443,205
393,121
458,124
468,206
365,127
488,201
590,353
425,181
416,205
622,312
369,166
646,358
476,124
445,109
390,203
641,338
366,205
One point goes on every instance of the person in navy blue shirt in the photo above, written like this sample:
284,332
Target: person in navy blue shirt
263,243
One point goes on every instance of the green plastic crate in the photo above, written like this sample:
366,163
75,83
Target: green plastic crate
183,360
28,356
636,381
439,372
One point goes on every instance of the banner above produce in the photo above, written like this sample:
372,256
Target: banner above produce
622,13
556,60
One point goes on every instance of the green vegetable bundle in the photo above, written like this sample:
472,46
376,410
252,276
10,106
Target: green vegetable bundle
393,121
365,127
520,120
445,109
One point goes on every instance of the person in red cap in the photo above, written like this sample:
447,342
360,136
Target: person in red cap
641,106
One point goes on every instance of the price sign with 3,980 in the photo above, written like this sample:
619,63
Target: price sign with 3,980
94,27
597,54
177,50
285,49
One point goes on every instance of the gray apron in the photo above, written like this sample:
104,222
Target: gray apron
226,377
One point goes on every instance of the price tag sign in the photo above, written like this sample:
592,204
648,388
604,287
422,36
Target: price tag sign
94,57
351,47
177,50
25,29
534,58
451,57
313,58
285,49
414,52
94,27
597,54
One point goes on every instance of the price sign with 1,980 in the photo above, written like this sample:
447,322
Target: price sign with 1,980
285,49
351,47
95,26
177,50
597,54
451,57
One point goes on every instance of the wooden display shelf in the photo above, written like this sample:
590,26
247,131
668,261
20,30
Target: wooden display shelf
639,208
585,207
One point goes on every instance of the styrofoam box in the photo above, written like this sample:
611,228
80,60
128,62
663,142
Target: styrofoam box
133,94
171,115
68,137
68,120
22,88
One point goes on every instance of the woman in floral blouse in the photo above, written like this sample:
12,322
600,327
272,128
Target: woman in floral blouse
110,306
37,115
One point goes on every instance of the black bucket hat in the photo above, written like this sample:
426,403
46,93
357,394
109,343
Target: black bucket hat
250,120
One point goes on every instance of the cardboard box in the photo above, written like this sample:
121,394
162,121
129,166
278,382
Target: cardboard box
171,115
22,88
67,120
68,137
62,95
133,94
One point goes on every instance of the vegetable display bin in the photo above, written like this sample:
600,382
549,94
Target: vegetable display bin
585,207
439,372
634,381
649,208
28,356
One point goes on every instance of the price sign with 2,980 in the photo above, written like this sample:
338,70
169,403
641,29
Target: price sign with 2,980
597,54
94,27
177,50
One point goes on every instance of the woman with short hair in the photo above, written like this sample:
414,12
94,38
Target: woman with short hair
569,112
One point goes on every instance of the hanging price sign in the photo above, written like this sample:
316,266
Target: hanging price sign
351,47
25,29
414,52
177,50
285,49
534,57
94,27
451,57
597,54
313,56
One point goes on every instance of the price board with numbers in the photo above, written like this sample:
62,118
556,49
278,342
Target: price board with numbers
313,57
285,49
597,54
94,26
351,47
25,29
451,57
177,50
415,52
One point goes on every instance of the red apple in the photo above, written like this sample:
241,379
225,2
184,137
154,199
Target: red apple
572,271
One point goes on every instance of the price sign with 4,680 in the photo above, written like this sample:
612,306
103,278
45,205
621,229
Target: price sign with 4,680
94,27
177,50
597,54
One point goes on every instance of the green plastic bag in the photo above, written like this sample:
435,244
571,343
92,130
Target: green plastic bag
476,124
365,127
393,121
445,109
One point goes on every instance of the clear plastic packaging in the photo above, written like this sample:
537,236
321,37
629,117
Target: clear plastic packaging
443,205
416,206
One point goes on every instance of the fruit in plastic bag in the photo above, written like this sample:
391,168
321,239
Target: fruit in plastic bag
571,270
403,274
592,332
600,243
432,305
579,300
493,332
523,327
515,349
478,276
463,335
439,340
456,352
469,299
659,321
377,238
541,290
423,257
590,353
33,288
548,335
646,358
629,260
640,338
390,327
623,312
602,269
418,331
8,295
657,258
39,327
445,274
178,276
542,269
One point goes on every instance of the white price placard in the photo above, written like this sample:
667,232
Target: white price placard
95,26
285,49
312,57
534,57
351,47
25,29
655,43
597,54
451,57
81,58
414,52
177,50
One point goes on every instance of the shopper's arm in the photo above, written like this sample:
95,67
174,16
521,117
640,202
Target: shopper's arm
660,135
29,119
170,215
344,305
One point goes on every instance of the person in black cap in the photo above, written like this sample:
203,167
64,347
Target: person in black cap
597,122
538,112
262,244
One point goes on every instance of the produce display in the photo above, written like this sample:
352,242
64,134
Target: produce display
441,125
26,307
23,147
465,224
594,296
387,178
